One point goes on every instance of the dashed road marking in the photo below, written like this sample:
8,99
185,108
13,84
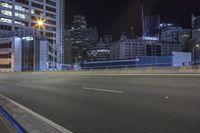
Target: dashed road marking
103,90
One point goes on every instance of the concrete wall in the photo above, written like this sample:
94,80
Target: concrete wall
181,59
162,70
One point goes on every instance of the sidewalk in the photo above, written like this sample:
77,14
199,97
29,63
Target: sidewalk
5,126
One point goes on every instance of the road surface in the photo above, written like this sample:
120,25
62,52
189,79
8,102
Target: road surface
110,103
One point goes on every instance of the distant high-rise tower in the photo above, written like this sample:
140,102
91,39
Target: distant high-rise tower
151,25
82,39
195,22
79,22
169,33
195,37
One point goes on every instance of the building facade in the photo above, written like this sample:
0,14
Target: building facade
24,51
67,48
169,33
127,49
134,48
195,40
83,39
101,52
23,14
184,37
151,26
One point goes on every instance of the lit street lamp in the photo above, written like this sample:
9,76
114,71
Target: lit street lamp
40,23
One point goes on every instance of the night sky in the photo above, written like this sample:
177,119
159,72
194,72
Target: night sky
116,16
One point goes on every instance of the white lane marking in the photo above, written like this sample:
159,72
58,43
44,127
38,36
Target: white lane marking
102,90
121,74
51,123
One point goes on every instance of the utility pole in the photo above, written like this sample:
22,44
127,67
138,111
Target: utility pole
132,32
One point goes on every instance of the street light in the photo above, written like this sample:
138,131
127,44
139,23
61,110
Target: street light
40,23
193,51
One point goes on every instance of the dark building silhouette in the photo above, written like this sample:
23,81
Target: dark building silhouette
151,25
82,39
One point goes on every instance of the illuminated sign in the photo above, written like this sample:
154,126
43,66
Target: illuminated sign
151,38
27,38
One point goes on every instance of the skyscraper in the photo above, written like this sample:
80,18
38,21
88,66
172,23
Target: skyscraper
83,39
169,33
151,26
24,14
195,38
195,22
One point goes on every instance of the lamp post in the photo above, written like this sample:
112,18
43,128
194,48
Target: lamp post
40,23
193,51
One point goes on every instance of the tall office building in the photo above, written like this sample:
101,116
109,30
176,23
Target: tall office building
195,22
151,26
24,14
101,52
67,48
127,49
169,33
195,38
83,39
184,37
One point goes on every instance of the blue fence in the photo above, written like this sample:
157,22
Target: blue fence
132,63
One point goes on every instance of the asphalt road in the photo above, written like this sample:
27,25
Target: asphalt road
110,103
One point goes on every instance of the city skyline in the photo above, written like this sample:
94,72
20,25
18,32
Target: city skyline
98,13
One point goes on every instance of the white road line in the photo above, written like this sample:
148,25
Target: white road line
51,123
102,90
140,74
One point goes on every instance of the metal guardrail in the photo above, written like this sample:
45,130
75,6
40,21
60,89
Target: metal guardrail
155,66
152,65
193,65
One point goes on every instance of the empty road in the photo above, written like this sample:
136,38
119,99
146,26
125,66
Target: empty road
110,103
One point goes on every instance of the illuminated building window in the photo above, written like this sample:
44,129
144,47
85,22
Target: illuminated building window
5,20
22,16
20,8
5,12
3,4
20,23
32,11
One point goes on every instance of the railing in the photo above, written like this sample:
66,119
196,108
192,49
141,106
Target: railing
153,66
158,68
137,66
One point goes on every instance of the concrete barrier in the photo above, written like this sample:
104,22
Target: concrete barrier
167,70
150,70
28,121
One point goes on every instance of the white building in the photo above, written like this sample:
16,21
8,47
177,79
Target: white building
23,14
181,59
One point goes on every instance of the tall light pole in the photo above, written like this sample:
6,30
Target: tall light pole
193,51
142,11
40,23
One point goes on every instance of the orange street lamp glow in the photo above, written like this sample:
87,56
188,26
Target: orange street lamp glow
40,23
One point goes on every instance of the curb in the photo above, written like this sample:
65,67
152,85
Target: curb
15,125
25,120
